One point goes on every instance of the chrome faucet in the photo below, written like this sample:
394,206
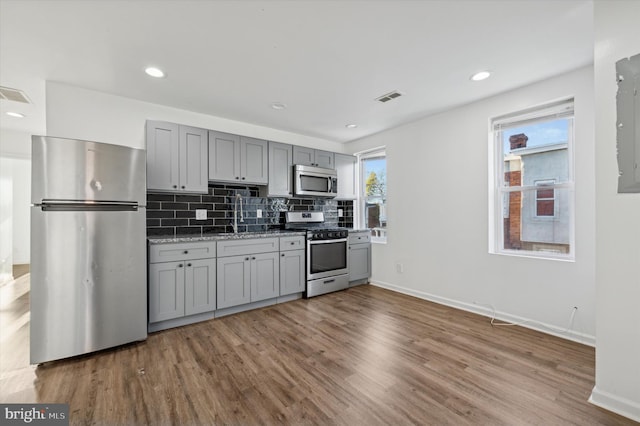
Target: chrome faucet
235,213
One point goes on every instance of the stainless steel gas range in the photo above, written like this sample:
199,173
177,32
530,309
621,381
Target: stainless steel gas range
327,255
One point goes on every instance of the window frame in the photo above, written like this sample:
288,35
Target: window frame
359,207
498,191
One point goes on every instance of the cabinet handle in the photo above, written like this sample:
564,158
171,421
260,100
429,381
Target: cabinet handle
182,186
292,243
282,255
243,177
175,186
246,258
180,265
186,252
253,258
237,177
188,264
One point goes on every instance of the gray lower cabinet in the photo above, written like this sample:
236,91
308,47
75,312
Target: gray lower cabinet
359,257
182,280
292,265
248,271
292,272
181,288
176,157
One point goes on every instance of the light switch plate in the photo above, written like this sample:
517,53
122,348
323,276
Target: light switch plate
201,214
259,213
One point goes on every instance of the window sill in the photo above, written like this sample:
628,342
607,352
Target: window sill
533,255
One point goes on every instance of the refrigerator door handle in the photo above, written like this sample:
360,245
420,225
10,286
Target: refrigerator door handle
57,205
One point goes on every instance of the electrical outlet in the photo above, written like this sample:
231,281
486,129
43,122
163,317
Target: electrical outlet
399,268
340,213
259,213
201,214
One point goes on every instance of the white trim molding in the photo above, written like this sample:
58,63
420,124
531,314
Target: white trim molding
532,324
616,404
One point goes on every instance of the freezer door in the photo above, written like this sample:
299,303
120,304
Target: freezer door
67,169
88,281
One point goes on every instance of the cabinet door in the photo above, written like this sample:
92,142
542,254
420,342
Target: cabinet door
304,156
324,159
359,261
233,281
346,170
292,273
224,156
162,156
280,170
200,286
193,159
254,160
166,291
265,276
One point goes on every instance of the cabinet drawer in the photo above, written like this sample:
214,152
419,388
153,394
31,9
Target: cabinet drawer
172,252
359,237
247,246
292,243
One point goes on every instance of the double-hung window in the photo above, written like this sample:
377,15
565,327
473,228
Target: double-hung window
372,198
532,201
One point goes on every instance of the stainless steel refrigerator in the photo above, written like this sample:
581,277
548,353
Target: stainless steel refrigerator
88,247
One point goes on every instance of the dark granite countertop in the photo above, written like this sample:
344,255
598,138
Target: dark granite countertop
222,237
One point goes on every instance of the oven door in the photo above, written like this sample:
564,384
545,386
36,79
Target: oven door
327,258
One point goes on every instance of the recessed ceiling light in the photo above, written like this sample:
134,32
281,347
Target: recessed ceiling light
278,105
351,126
154,72
15,114
479,76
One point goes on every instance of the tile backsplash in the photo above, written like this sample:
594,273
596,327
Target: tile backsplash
171,214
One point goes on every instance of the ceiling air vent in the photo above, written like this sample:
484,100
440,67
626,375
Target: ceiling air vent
15,95
389,96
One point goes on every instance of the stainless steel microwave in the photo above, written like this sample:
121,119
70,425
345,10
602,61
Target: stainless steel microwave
315,181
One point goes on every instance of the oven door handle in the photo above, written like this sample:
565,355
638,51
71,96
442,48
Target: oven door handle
339,240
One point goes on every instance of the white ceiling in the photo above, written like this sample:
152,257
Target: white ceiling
326,60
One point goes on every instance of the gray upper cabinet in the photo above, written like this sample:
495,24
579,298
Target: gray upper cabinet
254,160
176,157
224,156
346,169
234,158
313,157
280,170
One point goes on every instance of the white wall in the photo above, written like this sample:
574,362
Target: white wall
617,31
437,171
6,220
77,113
15,151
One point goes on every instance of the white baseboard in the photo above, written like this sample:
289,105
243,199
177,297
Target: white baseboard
484,311
616,404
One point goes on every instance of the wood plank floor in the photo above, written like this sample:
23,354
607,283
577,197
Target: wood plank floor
365,356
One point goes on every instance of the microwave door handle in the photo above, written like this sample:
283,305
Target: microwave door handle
329,185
